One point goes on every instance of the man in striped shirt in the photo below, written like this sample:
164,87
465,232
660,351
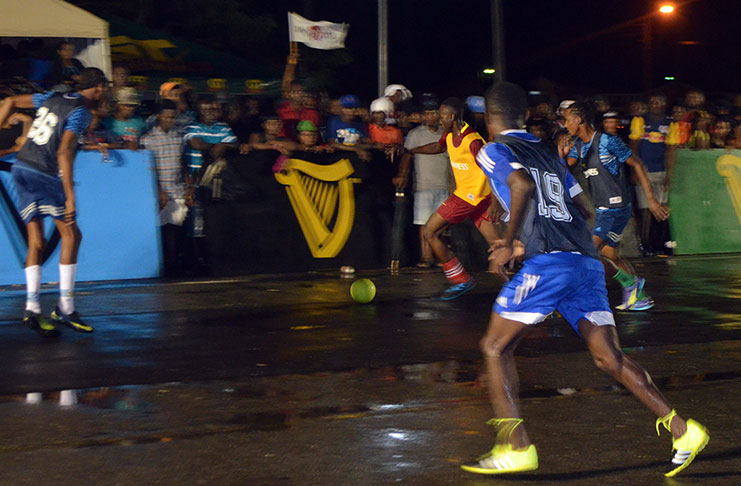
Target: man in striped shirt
208,139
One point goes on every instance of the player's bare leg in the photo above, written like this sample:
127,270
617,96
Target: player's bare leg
32,317
689,437
431,232
65,312
634,297
491,234
512,451
71,239
489,231
498,347
461,282
611,258
35,232
603,344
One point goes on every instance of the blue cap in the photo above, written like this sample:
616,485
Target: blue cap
476,104
349,101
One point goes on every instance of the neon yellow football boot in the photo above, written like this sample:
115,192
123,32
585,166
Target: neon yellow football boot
688,446
502,458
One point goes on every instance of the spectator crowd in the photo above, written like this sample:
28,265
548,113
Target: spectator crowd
193,135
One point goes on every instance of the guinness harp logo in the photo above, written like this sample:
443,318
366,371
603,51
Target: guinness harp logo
729,166
14,226
321,196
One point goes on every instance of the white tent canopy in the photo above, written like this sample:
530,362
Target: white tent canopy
56,18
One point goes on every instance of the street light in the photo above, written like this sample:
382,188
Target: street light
665,9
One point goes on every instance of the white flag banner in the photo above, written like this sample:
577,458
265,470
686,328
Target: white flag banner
319,35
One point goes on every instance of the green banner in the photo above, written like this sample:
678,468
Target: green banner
705,200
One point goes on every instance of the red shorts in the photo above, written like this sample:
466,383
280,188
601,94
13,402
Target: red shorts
455,210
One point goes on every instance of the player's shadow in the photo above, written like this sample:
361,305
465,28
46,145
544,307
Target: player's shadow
594,473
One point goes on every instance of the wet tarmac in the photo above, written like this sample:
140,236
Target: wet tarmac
284,380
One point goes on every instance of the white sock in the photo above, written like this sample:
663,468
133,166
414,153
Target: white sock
33,288
67,288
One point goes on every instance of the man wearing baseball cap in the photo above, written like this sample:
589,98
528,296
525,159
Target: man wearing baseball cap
346,132
184,116
610,122
43,180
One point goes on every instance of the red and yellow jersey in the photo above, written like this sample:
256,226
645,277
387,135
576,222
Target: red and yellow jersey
471,184
657,131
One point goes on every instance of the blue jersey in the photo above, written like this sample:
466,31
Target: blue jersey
56,113
553,223
612,151
346,133
79,118
603,163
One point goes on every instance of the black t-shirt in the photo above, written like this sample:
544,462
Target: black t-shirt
59,73
40,150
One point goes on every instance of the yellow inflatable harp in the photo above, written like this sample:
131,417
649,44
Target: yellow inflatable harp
321,196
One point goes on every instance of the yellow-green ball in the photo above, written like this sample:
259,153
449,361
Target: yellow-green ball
363,290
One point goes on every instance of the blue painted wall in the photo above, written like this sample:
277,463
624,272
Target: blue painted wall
117,213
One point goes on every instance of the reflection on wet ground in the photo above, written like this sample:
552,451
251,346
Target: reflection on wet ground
264,371
132,398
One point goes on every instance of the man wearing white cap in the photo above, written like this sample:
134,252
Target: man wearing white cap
398,94
382,135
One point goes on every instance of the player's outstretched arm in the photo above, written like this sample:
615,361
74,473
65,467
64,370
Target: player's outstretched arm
660,212
12,103
429,149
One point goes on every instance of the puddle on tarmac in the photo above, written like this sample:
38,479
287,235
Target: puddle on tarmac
132,398
108,398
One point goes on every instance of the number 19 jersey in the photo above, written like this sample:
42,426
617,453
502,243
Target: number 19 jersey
55,114
552,223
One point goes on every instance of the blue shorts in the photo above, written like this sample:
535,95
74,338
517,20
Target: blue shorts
39,194
610,223
571,283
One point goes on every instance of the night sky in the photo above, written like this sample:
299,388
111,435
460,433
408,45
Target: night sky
436,47
442,46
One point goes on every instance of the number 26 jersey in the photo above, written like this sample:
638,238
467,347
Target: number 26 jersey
552,223
55,114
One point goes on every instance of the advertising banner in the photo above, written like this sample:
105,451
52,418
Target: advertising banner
706,201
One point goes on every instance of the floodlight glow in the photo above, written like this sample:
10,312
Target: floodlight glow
666,9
